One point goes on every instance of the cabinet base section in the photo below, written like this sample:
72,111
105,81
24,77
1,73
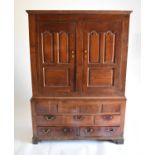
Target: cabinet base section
35,140
118,141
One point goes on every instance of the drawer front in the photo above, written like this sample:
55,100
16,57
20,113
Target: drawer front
111,108
45,132
108,120
46,107
67,107
99,131
90,108
48,132
79,106
49,120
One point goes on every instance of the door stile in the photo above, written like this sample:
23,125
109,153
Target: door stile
79,54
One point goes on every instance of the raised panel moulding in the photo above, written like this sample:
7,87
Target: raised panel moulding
100,77
63,47
47,47
93,47
55,77
101,47
109,47
56,47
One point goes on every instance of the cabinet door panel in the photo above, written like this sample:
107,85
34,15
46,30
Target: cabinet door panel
100,77
101,55
56,57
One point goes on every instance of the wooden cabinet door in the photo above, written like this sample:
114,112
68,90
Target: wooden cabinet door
101,55
56,57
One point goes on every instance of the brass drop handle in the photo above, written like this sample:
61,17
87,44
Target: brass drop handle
46,130
85,51
108,117
85,54
50,117
109,130
65,130
73,54
78,117
89,130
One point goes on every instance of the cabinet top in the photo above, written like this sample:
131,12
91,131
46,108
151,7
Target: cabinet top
119,12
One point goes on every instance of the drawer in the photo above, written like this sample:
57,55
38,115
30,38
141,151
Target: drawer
49,120
89,108
79,106
48,132
67,107
111,107
46,107
108,120
99,131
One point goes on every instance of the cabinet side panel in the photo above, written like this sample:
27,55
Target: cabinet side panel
33,56
124,51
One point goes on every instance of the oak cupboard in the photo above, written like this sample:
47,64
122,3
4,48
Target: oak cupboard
78,68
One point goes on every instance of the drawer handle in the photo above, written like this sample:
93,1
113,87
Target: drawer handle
78,117
108,117
85,51
73,54
109,130
46,131
67,130
85,54
89,130
50,117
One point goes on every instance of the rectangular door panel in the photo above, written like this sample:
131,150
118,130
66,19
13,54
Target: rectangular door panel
56,57
101,55
99,77
56,77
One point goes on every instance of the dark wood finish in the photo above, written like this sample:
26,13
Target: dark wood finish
78,69
61,120
99,131
107,120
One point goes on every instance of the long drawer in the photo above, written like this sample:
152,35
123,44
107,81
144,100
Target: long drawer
76,120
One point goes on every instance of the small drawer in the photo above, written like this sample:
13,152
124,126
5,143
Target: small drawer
49,120
99,131
79,106
107,120
90,108
46,107
111,108
67,107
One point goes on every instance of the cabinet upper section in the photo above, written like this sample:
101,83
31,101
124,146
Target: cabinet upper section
74,52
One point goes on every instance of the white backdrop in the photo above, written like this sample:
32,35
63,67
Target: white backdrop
23,131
